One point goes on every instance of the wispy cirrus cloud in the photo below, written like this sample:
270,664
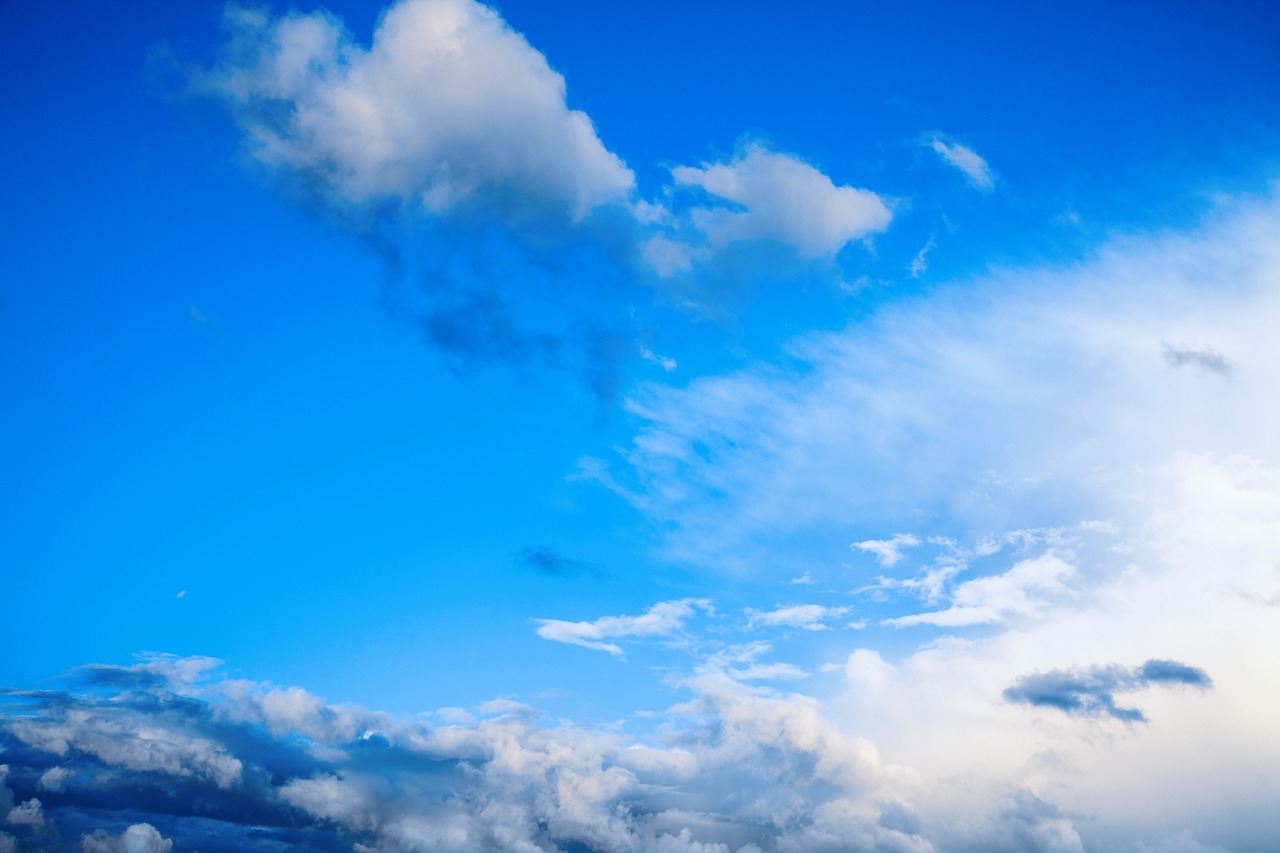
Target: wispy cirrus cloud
809,617
966,160
661,620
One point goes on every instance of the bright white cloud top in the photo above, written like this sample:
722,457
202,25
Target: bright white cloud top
448,106
760,488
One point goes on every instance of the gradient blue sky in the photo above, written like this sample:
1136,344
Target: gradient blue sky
676,370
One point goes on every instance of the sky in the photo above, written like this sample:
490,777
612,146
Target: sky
640,427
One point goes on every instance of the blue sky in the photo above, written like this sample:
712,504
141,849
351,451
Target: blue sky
596,427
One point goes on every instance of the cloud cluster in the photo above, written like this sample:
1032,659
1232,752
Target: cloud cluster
739,769
515,235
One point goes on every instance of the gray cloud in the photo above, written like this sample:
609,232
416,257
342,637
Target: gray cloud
1091,692
740,766
549,561
1205,359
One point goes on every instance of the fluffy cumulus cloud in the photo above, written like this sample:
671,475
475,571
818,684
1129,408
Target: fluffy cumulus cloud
448,106
736,768
767,195
138,838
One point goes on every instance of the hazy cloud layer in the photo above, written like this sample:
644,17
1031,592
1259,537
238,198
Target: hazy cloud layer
1000,403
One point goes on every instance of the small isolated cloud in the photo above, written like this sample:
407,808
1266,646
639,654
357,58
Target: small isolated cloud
764,195
920,263
53,779
447,106
810,617
888,552
138,838
662,619
29,813
548,561
1091,692
1204,359
966,160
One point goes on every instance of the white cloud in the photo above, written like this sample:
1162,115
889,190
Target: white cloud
446,107
138,838
662,619
29,813
920,263
888,552
966,160
810,617
54,778
111,738
764,195
992,405
1023,590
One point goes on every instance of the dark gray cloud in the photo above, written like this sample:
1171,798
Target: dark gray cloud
1092,691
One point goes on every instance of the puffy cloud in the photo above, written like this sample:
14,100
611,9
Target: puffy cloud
448,106
29,813
765,196
136,741
966,160
138,838
54,778
662,619
1092,691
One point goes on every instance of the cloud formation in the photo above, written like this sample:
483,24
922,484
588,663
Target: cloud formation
512,233
982,403
662,619
1091,692
447,107
966,160
764,195
810,617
